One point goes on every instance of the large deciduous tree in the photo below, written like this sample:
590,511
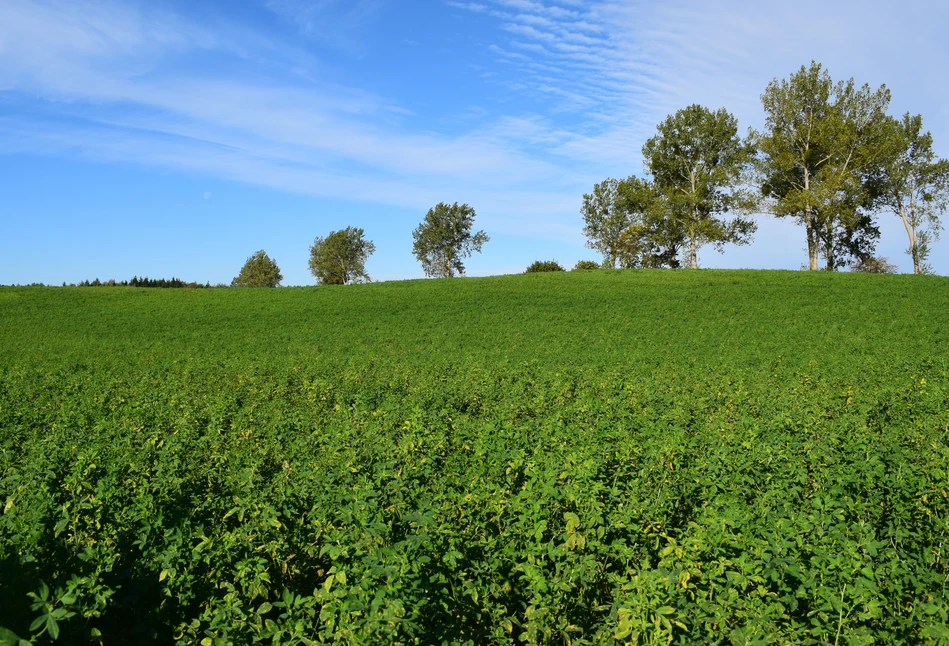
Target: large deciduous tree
914,185
822,145
259,271
697,161
340,257
444,239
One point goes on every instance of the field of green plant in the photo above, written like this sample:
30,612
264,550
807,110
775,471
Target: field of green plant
601,457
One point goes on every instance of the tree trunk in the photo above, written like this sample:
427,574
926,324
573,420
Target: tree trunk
693,242
812,245
913,240
829,254
810,226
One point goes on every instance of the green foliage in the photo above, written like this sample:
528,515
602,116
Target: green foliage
593,458
626,222
258,271
819,158
874,265
605,218
914,185
444,239
340,257
697,161
652,238
141,282
583,265
544,265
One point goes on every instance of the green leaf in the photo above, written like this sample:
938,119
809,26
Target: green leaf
52,627
10,638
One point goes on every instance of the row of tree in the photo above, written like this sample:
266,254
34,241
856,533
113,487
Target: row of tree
441,242
830,157
139,282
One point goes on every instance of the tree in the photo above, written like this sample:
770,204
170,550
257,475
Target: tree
651,238
624,223
258,271
914,185
340,257
606,219
697,161
444,239
817,157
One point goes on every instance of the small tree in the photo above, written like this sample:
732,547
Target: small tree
340,257
444,239
259,271
585,265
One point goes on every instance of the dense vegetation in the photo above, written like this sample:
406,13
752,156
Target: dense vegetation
543,265
829,158
566,457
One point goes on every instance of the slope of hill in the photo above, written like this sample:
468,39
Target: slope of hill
580,457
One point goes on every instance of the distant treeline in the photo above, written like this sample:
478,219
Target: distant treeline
142,282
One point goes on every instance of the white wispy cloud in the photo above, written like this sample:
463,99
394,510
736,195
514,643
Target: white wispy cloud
602,73
328,141
334,22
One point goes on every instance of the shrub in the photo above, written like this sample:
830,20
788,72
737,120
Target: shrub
872,265
586,264
543,265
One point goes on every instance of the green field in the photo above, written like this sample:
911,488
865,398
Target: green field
568,458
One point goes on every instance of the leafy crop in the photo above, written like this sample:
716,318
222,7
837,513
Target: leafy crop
648,457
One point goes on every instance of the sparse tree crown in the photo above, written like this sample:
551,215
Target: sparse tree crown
340,257
444,239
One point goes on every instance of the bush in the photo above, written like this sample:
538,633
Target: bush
586,264
543,265
873,265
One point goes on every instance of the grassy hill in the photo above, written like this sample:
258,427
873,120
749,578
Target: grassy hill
580,457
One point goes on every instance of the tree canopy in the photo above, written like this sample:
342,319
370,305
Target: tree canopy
822,144
444,239
606,219
259,271
914,185
625,223
340,257
697,160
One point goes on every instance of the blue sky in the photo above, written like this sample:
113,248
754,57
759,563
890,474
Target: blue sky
177,138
